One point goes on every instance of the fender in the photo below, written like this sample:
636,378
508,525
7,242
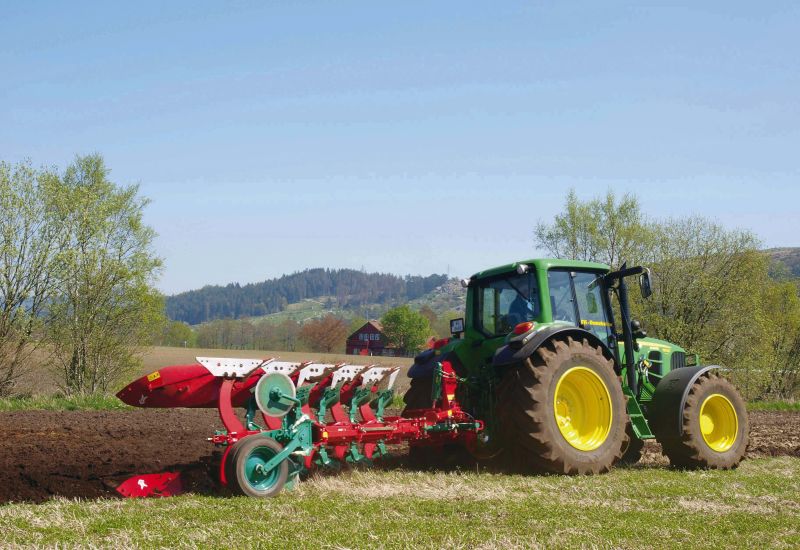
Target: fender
510,354
425,362
670,397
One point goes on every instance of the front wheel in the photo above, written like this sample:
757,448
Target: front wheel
714,424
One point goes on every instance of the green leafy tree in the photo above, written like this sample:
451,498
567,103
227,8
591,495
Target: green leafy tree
713,291
709,284
30,233
105,305
285,336
441,327
606,229
781,333
178,334
406,329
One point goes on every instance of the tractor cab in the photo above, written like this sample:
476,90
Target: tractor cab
540,297
531,295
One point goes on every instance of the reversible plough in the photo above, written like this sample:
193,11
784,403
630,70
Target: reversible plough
298,416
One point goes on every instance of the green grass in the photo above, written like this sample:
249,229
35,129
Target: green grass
774,406
60,403
756,506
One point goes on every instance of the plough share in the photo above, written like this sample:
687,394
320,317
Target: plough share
298,416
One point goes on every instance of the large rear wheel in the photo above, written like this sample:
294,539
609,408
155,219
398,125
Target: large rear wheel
715,427
562,410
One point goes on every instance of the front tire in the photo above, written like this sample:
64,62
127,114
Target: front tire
715,427
562,410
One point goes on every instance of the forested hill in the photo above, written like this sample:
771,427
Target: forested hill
349,288
787,257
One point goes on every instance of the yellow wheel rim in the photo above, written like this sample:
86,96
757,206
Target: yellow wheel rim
718,422
582,408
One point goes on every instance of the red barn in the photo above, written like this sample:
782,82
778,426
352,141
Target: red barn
368,340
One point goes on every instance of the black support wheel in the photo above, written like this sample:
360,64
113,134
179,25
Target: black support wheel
562,410
245,468
715,427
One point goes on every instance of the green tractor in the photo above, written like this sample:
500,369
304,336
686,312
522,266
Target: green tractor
548,357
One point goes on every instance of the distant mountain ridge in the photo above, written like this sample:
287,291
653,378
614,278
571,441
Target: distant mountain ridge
353,290
788,256
348,288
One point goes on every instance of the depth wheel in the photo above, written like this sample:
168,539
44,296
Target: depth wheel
715,427
562,410
245,467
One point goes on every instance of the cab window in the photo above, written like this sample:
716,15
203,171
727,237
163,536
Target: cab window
577,297
561,300
589,292
504,303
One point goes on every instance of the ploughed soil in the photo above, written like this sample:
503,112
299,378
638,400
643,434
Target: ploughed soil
86,454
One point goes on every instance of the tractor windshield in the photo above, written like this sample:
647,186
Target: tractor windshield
505,302
576,298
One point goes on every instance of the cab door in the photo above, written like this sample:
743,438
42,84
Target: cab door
499,303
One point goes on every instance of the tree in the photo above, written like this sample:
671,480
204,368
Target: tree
177,334
285,336
406,329
782,335
713,291
30,233
442,326
429,314
104,304
709,285
326,335
601,229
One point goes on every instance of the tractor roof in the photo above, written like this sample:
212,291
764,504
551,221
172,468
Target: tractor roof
542,264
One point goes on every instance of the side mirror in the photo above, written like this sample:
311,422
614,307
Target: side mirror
456,326
645,284
636,330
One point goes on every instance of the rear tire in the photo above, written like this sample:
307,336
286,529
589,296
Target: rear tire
590,410
716,428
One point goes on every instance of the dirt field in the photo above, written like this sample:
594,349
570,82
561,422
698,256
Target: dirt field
44,454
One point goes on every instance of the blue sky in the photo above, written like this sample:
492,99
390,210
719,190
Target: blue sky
406,137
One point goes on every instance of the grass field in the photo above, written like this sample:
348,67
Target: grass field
774,406
756,506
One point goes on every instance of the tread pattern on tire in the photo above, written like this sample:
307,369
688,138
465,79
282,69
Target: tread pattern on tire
526,418
689,450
